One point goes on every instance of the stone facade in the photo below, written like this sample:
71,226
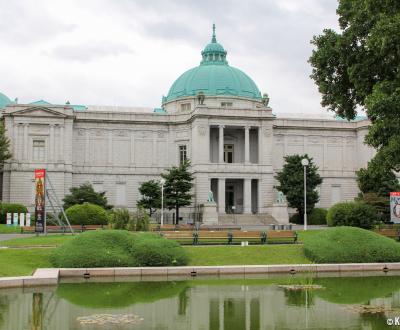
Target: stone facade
235,148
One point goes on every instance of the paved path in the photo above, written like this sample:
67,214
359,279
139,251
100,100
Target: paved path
4,237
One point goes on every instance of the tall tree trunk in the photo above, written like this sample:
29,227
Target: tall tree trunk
177,214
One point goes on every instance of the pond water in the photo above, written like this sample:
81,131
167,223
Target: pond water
264,302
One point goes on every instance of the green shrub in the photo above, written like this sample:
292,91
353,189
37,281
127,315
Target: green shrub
355,214
87,214
317,217
98,248
159,252
350,244
142,220
10,208
120,218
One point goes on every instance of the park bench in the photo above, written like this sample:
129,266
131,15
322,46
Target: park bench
183,237
238,236
220,227
62,229
280,236
211,237
389,232
170,227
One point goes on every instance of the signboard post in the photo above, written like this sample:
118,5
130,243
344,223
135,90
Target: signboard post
22,219
395,207
15,219
9,219
28,220
40,188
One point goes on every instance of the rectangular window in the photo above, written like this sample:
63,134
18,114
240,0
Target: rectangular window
120,199
336,196
182,154
186,106
38,154
226,104
228,153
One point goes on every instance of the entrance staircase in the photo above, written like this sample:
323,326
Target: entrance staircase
260,219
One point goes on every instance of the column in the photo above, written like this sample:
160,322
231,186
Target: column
26,141
51,149
154,149
221,196
15,142
132,148
247,144
247,196
110,147
61,144
221,146
87,147
260,146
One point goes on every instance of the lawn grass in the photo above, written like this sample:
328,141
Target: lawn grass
4,229
37,240
249,255
18,262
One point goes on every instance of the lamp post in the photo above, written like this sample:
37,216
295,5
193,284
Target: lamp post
305,163
162,182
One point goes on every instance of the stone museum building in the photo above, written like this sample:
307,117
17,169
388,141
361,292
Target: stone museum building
214,115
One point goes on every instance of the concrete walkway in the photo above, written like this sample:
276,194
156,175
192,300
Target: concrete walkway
5,237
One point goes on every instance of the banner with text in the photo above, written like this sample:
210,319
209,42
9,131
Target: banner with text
395,207
40,177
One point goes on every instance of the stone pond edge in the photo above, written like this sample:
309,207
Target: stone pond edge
51,276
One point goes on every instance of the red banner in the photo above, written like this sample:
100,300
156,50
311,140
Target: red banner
40,183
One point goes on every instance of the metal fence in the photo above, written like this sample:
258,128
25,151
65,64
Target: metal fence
187,215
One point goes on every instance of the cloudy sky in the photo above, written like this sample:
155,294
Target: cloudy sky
129,52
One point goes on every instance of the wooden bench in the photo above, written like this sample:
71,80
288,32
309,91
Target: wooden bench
183,237
391,233
220,227
280,236
170,227
62,229
205,237
238,236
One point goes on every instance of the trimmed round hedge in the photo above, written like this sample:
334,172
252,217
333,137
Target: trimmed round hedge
355,214
351,244
118,248
87,214
317,217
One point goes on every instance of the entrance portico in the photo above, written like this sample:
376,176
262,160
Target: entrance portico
235,196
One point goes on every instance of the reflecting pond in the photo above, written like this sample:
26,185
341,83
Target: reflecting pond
263,302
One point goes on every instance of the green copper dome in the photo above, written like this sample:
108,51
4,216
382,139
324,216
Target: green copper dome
4,101
214,77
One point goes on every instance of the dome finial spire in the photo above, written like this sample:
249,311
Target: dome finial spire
214,39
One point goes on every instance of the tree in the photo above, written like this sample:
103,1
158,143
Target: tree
178,183
86,194
4,145
151,196
358,68
291,183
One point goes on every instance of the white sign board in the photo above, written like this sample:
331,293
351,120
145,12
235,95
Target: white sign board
22,219
9,219
15,219
395,207
28,220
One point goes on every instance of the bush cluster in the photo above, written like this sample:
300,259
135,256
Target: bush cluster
316,217
350,244
10,208
122,219
355,214
118,248
87,214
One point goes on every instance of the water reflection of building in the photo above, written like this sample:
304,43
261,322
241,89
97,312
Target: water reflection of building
212,307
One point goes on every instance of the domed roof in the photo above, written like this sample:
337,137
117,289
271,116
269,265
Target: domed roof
214,77
4,101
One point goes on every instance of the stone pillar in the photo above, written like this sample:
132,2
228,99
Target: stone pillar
110,147
221,146
247,144
52,139
132,148
26,126
247,196
87,147
15,142
260,145
61,144
154,150
221,196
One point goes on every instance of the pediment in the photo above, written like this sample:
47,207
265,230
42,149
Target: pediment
38,111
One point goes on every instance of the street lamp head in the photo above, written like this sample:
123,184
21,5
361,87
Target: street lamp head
162,181
305,162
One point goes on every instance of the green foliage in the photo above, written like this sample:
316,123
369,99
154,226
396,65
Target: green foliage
4,145
142,220
86,194
10,208
291,182
178,183
118,248
316,217
350,244
159,252
87,214
98,248
120,218
358,68
355,214
151,196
